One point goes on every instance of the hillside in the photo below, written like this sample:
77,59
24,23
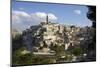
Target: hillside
54,41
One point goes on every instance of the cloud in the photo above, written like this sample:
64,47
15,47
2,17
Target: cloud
77,12
41,16
21,8
23,20
52,16
19,16
38,17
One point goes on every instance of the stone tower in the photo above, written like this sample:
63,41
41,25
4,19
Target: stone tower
47,19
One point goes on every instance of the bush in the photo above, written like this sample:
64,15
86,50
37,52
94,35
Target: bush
21,59
77,51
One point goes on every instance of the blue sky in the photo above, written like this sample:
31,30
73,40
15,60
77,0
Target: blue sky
65,13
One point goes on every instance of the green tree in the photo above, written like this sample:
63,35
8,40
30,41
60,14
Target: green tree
17,42
91,14
91,51
77,51
21,59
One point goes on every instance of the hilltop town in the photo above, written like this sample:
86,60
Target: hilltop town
56,40
51,34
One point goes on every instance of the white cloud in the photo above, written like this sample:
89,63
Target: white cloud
38,17
41,16
19,16
77,12
52,16
21,8
23,20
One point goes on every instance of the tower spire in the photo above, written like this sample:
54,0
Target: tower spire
47,19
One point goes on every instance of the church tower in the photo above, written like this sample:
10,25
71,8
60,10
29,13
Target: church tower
47,19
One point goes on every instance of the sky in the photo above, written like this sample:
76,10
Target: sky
26,14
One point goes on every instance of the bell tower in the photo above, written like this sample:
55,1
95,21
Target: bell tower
47,19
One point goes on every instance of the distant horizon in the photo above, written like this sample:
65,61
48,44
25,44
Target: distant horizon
26,14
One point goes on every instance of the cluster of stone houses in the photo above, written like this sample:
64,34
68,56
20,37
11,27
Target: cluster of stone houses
39,38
